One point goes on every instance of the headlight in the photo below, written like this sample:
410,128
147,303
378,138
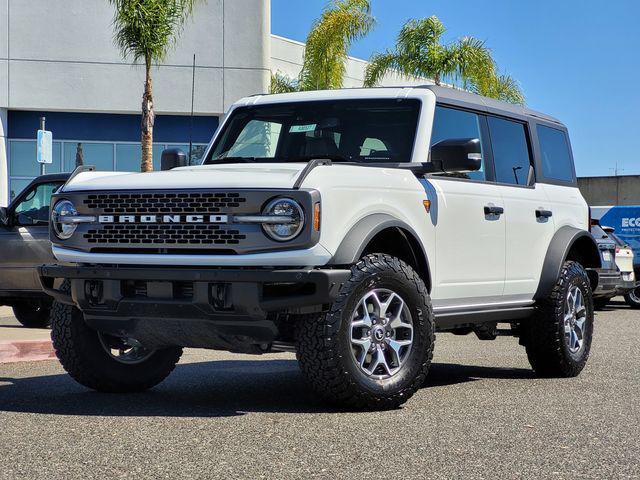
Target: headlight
64,208
293,219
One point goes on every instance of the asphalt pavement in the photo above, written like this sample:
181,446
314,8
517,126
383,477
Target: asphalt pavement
482,414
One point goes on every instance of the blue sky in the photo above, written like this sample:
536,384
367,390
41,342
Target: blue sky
578,60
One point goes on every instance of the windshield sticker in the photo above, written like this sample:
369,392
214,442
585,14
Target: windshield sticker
302,128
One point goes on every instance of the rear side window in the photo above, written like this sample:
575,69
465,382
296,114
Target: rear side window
556,159
510,151
450,123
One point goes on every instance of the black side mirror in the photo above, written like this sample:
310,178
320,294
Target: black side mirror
172,158
457,155
4,217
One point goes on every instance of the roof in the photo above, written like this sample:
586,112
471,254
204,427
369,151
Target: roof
447,95
455,95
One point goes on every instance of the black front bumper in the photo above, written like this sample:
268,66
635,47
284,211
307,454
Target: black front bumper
196,307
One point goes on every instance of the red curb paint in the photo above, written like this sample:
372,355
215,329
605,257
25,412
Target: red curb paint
26,351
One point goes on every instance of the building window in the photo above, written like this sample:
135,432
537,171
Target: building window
106,156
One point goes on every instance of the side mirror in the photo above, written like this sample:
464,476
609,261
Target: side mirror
172,158
457,155
4,217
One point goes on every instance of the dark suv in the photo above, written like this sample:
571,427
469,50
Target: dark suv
24,244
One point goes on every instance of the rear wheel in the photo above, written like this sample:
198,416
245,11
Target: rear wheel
103,362
633,298
373,348
558,338
32,315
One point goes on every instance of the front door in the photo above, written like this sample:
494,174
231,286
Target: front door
24,243
470,229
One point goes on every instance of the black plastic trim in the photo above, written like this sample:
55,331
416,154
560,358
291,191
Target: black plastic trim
358,237
557,253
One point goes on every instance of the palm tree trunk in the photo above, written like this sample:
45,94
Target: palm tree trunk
147,121
436,79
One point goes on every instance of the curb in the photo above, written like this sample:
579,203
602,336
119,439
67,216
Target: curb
26,351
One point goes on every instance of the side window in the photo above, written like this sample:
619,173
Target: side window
556,160
511,156
450,123
34,208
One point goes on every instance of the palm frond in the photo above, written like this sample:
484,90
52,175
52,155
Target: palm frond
501,87
282,84
146,29
328,43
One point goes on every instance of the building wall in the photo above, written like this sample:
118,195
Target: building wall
287,56
59,56
618,190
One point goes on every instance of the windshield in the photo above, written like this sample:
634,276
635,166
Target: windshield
343,130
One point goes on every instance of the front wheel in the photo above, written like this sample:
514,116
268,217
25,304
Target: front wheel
558,337
32,315
373,349
103,362
633,298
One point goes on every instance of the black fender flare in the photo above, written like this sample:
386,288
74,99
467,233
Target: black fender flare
561,244
360,235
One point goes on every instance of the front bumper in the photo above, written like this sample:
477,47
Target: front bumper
231,309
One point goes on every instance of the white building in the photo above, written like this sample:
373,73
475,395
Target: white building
58,60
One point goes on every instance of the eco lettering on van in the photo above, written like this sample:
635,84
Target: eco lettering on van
631,222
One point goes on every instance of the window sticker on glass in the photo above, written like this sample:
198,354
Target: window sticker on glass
302,128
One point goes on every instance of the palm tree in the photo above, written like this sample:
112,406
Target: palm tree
341,23
500,86
145,30
419,53
282,84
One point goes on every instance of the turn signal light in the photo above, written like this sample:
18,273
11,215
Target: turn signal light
427,205
316,216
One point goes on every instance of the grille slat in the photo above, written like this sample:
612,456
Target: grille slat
165,234
175,203
166,203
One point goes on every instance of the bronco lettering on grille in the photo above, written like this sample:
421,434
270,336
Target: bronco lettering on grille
163,218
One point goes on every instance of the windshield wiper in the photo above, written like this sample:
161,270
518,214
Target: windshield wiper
333,158
223,160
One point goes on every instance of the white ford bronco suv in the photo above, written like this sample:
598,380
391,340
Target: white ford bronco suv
346,226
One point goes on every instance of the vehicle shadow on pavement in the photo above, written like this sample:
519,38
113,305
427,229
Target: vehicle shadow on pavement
207,389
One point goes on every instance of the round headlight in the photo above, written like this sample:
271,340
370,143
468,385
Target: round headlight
63,208
293,219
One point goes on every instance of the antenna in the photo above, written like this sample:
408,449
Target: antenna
193,89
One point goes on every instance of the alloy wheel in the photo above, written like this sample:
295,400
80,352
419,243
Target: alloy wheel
381,333
575,320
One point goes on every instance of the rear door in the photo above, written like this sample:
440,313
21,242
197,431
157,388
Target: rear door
25,243
470,240
528,212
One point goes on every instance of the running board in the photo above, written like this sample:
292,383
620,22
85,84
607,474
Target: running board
464,318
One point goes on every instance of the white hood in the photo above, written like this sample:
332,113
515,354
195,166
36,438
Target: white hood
272,175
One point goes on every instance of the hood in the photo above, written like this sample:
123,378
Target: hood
272,175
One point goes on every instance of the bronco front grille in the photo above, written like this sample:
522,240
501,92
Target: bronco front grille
169,203
170,234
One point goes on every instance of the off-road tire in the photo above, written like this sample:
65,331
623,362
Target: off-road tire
324,350
631,301
543,336
83,356
33,315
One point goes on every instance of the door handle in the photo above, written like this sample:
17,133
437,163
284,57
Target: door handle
493,210
540,213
